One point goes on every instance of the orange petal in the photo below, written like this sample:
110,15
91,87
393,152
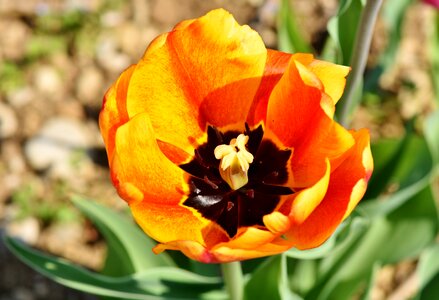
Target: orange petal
295,115
252,243
113,113
191,249
227,254
328,140
347,186
367,160
293,108
308,199
170,224
138,161
277,222
154,187
205,71
332,76
275,66
175,154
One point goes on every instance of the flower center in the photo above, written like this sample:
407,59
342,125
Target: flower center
235,161
237,178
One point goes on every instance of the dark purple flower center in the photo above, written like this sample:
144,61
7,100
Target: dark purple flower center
211,196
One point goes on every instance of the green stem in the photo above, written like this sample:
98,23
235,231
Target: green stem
359,56
233,279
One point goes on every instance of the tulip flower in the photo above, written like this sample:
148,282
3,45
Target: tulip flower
228,151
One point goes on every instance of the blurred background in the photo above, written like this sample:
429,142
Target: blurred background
58,57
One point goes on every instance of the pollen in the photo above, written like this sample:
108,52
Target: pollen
235,161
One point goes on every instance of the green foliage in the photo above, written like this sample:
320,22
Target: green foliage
269,281
132,271
43,45
289,34
128,247
153,283
11,77
342,29
53,208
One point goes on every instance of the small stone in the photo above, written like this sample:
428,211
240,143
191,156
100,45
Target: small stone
8,122
48,81
22,293
255,3
112,18
82,5
15,163
27,229
167,11
20,97
13,39
269,37
57,146
41,290
89,87
130,40
109,56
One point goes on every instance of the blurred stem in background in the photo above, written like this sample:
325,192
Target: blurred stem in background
359,57
434,55
233,279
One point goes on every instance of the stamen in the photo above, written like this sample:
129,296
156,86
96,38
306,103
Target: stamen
210,182
235,161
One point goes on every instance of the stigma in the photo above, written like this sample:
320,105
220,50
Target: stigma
235,161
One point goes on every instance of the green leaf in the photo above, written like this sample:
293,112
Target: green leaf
129,249
371,281
289,35
303,275
428,273
155,283
400,235
343,28
406,165
270,281
402,223
431,129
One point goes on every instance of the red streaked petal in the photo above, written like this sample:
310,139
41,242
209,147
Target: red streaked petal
275,66
295,115
277,222
113,113
347,186
307,200
191,249
329,140
183,87
293,108
332,76
139,161
169,224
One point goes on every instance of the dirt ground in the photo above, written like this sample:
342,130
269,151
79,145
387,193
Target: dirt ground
58,57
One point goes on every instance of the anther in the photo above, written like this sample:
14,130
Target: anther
235,161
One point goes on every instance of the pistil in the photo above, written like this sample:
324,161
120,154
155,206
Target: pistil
235,161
